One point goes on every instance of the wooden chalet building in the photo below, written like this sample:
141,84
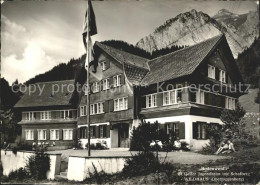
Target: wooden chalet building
165,89
175,89
49,116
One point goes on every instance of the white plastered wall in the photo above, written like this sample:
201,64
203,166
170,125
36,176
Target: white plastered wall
188,120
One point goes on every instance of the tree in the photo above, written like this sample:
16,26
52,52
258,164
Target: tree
233,125
145,134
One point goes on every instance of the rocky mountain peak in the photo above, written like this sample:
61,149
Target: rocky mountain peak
192,27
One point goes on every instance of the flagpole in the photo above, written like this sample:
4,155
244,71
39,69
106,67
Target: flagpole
88,87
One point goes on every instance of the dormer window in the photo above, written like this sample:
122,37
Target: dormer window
211,71
104,65
222,76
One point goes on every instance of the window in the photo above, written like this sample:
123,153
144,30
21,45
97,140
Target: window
211,71
230,103
96,87
104,65
105,84
66,114
202,131
83,110
169,98
42,134
83,132
54,134
67,134
121,104
200,97
46,115
117,80
102,131
199,130
222,76
173,130
97,108
29,135
29,115
151,100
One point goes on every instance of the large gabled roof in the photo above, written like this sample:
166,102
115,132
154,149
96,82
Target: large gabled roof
180,63
55,93
124,57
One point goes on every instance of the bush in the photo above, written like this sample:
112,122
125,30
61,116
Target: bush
141,164
96,146
37,165
145,134
18,175
185,146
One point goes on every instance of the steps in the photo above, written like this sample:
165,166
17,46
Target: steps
63,173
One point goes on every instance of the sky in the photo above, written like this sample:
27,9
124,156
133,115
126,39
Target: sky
38,35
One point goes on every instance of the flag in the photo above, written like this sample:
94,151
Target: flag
89,25
89,29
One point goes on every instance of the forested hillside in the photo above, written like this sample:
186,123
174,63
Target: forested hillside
60,72
249,64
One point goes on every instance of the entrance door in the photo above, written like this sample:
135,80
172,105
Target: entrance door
123,136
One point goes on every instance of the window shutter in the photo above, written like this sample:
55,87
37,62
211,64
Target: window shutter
90,88
159,99
61,134
98,131
107,131
206,130
47,134
217,73
86,132
111,82
179,95
130,100
181,127
207,98
122,79
108,64
74,134
213,99
79,130
195,130
223,101
106,106
226,77
95,131
193,97
35,134
100,85
143,102
111,105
